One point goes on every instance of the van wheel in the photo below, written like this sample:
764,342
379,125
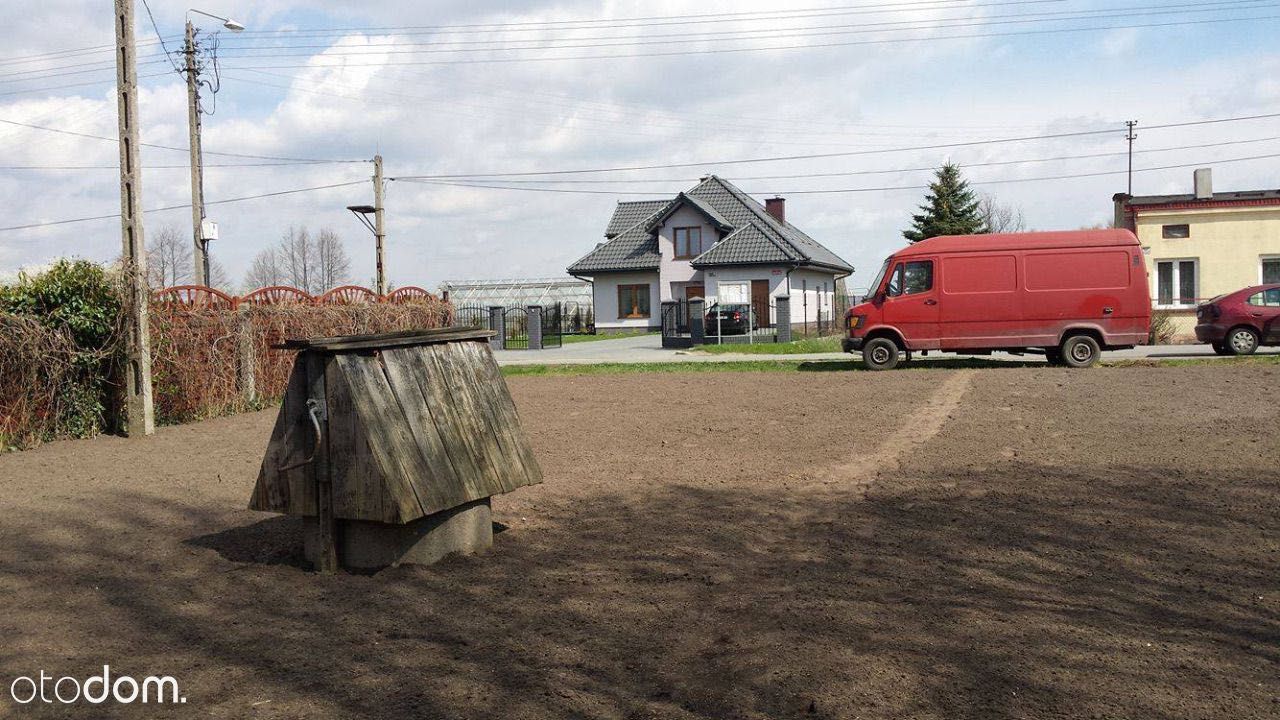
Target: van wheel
1053,355
1080,351
881,354
1242,341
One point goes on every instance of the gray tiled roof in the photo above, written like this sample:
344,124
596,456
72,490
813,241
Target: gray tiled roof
627,214
754,236
745,246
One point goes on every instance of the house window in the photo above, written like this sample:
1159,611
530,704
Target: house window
1270,270
633,301
1176,282
910,278
688,242
1175,232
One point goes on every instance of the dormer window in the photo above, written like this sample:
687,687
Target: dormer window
688,242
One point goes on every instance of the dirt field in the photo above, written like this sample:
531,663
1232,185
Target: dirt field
1022,542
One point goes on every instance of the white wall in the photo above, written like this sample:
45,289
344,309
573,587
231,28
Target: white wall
806,285
677,273
606,300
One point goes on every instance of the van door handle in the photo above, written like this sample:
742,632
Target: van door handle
1108,310
930,301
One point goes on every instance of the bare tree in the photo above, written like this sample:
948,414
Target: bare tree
998,217
168,258
333,265
265,271
297,254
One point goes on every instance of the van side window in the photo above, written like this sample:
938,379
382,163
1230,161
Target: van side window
911,278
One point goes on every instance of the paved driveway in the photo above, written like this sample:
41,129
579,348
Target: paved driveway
648,349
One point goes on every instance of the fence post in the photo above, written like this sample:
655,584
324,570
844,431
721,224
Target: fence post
697,319
535,326
246,357
782,306
498,324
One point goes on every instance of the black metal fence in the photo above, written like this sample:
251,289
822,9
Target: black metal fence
577,318
552,326
471,316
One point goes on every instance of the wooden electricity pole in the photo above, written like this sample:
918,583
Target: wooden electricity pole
140,413
199,254
379,230
1130,136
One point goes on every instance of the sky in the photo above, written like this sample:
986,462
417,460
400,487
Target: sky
468,88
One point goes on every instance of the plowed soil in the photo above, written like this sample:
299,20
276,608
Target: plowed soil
999,543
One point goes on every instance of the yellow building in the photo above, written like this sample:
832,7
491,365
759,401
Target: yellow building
1204,244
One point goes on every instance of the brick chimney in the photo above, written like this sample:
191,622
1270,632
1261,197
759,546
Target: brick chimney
777,207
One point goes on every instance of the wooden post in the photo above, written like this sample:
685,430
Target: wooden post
327,555
246,357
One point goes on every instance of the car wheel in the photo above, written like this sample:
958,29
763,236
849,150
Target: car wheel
881,354
1218,348
1242,341
1053,356
1080,351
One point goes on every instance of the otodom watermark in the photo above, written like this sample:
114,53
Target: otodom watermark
95,689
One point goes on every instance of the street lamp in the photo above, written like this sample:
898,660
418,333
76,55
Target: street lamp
227,23
201,228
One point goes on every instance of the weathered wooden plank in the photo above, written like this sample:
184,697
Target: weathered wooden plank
358,492
458,383
287,491
468,388
386,340
445,416
318,468
390,439
439,483
503,407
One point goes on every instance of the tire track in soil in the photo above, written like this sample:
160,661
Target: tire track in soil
923,426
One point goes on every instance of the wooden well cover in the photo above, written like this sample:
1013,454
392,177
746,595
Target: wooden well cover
417,423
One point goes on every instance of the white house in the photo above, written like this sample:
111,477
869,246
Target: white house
713,241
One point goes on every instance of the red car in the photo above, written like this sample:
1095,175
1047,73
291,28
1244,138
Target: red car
1237,323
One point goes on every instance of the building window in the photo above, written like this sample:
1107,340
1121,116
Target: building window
688,242
1176,282
633,301
1270,270
910,278
1175,232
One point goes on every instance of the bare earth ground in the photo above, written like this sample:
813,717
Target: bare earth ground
1023,542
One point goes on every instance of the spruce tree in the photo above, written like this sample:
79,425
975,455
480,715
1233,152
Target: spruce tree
950,208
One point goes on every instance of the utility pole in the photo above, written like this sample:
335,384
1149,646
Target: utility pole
379,230
140,413
199,254
1130,135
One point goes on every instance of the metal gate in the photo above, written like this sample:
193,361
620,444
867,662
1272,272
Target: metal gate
515,323
552,326
675,324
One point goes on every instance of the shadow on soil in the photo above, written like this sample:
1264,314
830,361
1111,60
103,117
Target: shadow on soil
1027,592
918,364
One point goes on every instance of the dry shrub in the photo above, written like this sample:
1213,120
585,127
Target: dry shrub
38,377
199,357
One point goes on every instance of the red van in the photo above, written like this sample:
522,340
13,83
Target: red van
1069,295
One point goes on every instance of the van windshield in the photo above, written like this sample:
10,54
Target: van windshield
875,284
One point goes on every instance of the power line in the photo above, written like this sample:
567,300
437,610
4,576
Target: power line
76,85
743,16
574,191
775,33
298,163
183,207
849,153
809,46
167,54
179,149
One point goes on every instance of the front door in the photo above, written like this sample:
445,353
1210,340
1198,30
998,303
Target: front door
911,303
695,291
760,303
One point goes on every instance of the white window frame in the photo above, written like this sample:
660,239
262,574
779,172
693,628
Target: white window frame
1177,282
1262,259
